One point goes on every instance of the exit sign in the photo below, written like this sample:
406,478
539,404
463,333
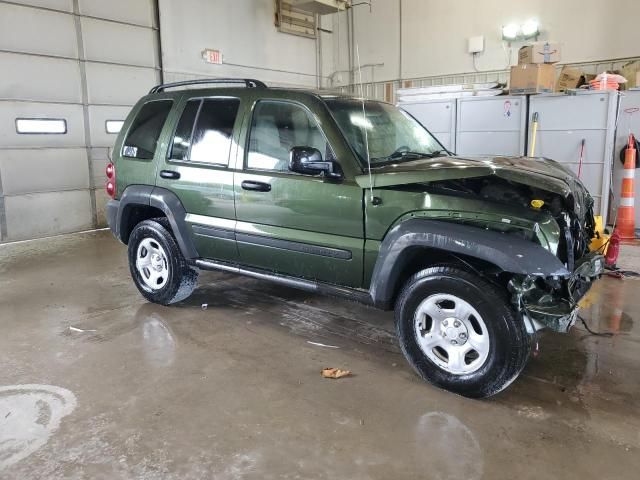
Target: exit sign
212,56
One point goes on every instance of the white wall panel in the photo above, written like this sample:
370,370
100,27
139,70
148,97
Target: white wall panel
245,34
101,203
498,114
9,111
22,78
99,157
115,84
438,116
566,120
118,43
44,214
66,5
489,143
140,12
49,184
491,125
25,29
434,34
98,115
558,112
378,35
42,170
446,139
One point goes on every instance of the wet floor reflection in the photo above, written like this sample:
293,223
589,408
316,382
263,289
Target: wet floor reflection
448,447
158,342
29,416
605,304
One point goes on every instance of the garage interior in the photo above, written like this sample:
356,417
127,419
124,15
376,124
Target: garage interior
97,382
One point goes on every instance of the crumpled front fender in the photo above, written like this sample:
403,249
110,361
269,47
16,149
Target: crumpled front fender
556,308
507,252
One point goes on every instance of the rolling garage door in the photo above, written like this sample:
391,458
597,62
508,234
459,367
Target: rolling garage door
86,63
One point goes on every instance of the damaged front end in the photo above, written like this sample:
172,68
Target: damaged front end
552,302
565,228
535,200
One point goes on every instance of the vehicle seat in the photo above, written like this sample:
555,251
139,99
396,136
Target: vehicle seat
265,149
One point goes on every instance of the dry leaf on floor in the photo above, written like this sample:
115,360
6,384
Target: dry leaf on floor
335,373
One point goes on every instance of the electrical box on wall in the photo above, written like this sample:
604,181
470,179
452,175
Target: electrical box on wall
476,44
293,20
321,7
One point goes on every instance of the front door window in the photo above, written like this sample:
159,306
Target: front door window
276,128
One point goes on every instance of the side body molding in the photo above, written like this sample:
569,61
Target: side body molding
163,200
509,253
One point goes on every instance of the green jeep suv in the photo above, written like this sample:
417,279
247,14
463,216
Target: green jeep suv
354,198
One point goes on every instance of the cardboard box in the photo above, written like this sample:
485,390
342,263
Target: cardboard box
569,78
532,78
630,71
539,52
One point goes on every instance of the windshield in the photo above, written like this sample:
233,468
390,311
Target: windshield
392,134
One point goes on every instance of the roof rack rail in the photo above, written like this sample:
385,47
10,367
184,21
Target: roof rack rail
247,82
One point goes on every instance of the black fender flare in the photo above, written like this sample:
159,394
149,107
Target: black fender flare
507,252
163,200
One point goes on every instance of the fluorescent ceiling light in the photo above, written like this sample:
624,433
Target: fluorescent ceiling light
530,28
41,125
114,126
510,32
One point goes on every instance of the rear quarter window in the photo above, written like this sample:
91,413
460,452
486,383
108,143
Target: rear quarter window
142,138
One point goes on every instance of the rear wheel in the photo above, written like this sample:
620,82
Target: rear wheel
157,266
459,333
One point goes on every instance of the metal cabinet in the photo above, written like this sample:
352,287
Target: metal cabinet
566,120
628,122
491,125
438,116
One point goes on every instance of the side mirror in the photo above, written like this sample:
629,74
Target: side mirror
308,161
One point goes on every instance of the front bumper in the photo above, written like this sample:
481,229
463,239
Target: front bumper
557,306
112,209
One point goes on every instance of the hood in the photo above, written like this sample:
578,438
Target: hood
540,173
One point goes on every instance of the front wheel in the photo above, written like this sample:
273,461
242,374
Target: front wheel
157,265
459,333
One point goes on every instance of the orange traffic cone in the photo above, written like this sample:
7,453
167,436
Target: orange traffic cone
626,211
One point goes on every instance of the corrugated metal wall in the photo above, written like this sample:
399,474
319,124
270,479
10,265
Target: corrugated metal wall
84,61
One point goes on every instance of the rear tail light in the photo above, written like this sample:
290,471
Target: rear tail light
110,187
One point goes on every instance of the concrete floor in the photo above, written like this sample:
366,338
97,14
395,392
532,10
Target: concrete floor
96,383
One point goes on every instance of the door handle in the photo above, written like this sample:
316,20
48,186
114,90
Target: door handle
256,186
169,174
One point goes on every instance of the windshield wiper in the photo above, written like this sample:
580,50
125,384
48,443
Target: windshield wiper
439,153
409,154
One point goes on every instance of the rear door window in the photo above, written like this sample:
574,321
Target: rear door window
205,130
182,138
142,138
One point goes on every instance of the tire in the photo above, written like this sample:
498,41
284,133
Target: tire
436,299
162,275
